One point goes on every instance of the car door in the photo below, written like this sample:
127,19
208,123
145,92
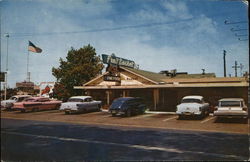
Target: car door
133,105
92,104
86,104
45,103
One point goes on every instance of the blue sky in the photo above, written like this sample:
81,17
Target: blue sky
187,35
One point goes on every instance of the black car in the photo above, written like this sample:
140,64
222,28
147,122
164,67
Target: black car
127,106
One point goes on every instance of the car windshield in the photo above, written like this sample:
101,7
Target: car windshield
117,103
75,100
230,103
29,100
13,98
191,100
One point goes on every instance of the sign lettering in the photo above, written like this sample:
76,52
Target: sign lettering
113,60
111,78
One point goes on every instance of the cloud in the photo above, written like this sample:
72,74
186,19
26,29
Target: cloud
157,35
177,9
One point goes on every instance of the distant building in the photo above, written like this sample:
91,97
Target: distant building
24,88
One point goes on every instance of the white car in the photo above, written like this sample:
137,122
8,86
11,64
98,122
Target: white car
231,107
9,103
192,105
80,104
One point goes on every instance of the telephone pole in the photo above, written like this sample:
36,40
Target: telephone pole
224,60
235,68
7,68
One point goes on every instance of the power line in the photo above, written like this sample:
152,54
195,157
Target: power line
101,29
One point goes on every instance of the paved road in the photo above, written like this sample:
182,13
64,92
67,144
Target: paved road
39,140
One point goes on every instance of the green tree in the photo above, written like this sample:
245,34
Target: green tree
80,66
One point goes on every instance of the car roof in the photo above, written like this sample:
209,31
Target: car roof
231,99
127,98
37,97
193,97
81,97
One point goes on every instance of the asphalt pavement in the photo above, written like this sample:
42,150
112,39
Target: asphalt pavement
30,140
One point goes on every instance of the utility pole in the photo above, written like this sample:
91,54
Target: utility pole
235,68
7,62
241,68
224,59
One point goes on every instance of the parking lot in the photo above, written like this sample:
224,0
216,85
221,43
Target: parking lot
160,120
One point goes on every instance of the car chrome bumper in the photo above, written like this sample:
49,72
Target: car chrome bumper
117,112
71,110
187,113
230,113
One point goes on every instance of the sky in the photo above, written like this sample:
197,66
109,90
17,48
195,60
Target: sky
187,35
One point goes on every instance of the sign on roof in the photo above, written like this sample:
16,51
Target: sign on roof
113,60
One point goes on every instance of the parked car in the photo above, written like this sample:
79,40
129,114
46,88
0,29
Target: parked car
127,106
36,104
231,107
80,104
9,103
192,106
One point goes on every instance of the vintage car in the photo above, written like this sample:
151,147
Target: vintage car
231,107
78,104
127,106
192,106
9,103
36,104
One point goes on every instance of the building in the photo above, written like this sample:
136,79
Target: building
162,92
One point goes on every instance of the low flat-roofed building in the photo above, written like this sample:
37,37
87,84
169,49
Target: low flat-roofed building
161,92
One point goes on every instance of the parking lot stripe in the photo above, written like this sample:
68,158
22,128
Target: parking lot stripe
210,118
142,116
175,117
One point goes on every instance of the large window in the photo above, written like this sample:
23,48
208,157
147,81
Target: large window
191,100
230,103
75,100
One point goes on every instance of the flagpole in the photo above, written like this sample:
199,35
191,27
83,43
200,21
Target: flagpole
28,77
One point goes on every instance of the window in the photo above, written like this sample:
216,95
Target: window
230,103
13,98
191,100
29,100
75,100
43,100
88,100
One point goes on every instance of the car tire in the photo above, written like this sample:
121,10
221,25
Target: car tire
180,117
67,112
202,115
128,113
8,109
113,114
57,106
143,111
99,108
23,111
35,109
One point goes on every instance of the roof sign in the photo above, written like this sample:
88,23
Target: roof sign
113,60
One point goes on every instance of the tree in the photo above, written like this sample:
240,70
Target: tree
80,66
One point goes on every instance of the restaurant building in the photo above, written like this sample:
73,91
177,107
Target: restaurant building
161,92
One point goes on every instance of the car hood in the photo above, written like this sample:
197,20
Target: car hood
8,101
4,103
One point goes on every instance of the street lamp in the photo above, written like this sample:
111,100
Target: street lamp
7,61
